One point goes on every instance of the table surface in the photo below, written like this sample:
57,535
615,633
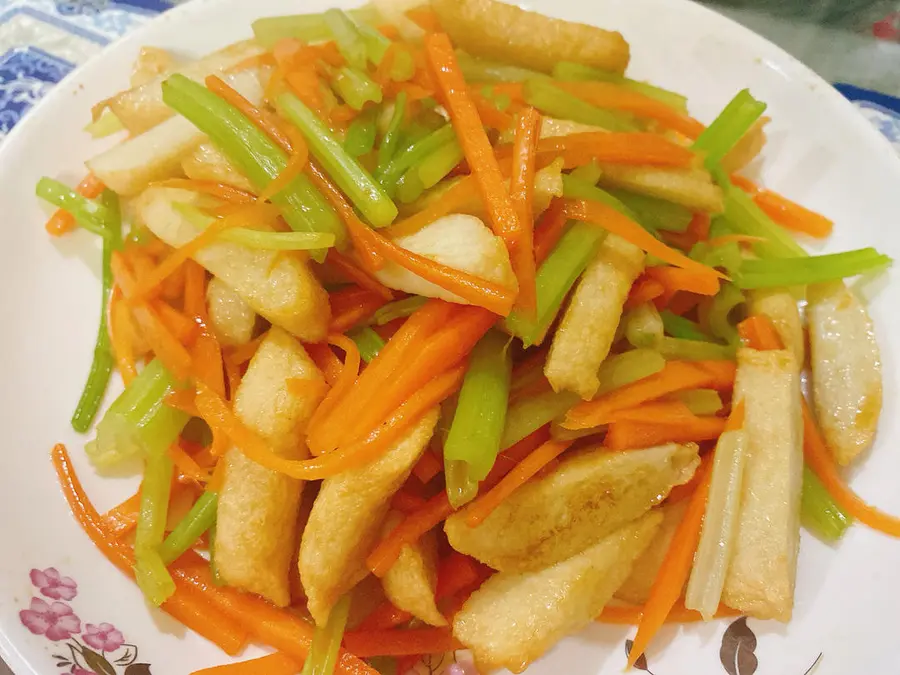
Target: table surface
848,41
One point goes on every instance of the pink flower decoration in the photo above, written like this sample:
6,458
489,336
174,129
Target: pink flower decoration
104,637
57,621
50,583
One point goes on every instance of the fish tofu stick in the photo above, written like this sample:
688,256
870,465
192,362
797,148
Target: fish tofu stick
278,285
347,518
846,369
503,32
410,583
514,618
781,307
588,327
692,188
763,568
207,162
257,512
232,320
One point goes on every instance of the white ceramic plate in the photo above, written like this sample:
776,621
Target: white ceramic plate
821,152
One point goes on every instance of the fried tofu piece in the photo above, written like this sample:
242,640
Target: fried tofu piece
748,148
693,188
151,63
207,162
459,241
142,107
514,619
636,588
257,511
156,154
231,319
278,285
589,324
781,307
347,518
552,127
846,369
763,568
548,183
589,495
411,581
504,32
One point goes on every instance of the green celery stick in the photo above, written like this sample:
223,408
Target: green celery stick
197,521
360,138
89,214
819,513
349,42
718,317
810,270
729,127
326,641
389,143
694,350
577,72
679,327
482,70
654,213
398,309
435,167
368,342
701,401
150,571
551,100
411,156
355,87
304,27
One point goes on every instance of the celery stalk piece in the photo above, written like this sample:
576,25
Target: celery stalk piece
644,327
409,187
587,173
360,138
555,278
304,27
388,145
810,270
725,301
398,309
693,350
819,513
481,409
377,45
255,154
568,71
482,70
654,213
551,100
349,42
88,213
107,125
138,423
704,590
197,521
527,415
411,156
679,327
701,401
729,127
745,217
351,177
368,342
573,188
439,163
150,572
102,364
355,87
627,367
461,487
213,567
727,257
326,642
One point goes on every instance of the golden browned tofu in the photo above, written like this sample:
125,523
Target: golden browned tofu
514,619
760,577
151,63
278,285
232,320
207,162
589,495
692,188
636,588
503,32
846,369
411,581
587,329
781,307
347,518
141,108
257,512
748,148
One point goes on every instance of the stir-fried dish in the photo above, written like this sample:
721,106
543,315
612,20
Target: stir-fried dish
438,332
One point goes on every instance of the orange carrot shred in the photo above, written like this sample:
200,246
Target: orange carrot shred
628,435
384,617
792,216
674,572
294,168
351,306
122,519
456,197
271,664
681,492
548,232
184,328
631,616
759,333
121,337
351,270
677,279
485,504
344,383
265,123
223,191
699,226
489,114
660,412
428,466
61,221
326,361
187,465
644,290
521,189
424,18
401,642
639,149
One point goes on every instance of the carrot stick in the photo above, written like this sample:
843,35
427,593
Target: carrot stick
182,327
326,361
344,382
457,573
682,303
122,519
488,113
223,191
471,135
292,169
61,221
265,123
631,616
627,435
121,337
510,458
677,279
485,504
676,376
428,466
681,492
184,605
745,184
644,290
521,190
271,664
548,232
759,333
408,532
405,501
241,354
638,149
792,216
616,97
207,364
352,306
351,270
456,197
613,221
660,412
384,617
674,571
401,642
195,290
424,18
186,464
